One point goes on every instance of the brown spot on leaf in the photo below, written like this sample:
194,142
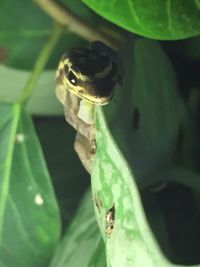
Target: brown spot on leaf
110,220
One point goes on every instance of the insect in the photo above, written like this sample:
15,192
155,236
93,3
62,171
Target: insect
85,78
89,73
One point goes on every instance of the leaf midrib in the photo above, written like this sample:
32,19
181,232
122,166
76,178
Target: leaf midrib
8,164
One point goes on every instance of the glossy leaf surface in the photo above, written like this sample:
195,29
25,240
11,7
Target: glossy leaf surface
29,217
165,20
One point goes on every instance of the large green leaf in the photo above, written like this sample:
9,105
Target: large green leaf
128,238
43,100
130,242
145,112
24,35
165,20
29,217
63,163
144,119
82,244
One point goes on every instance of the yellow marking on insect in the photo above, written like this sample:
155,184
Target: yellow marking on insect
83,88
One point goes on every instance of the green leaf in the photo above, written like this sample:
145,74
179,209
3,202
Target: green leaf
145,113
82,244
143,119
130,243
165,20
129,239
29,216
64,166
43,100
24,35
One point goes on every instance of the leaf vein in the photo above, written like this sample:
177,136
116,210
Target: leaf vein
134,14
8,166
169,15
197,2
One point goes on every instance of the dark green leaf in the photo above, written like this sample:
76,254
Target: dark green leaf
188,49
165,20
25,30
145,112
70,179
29,216
82,244
144,118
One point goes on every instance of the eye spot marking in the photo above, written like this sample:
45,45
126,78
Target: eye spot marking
72,78
136,119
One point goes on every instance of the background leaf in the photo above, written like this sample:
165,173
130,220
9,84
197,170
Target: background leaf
130,243
148,142
82,244
70,179
29,214
43,100
146,111
18,39
165,20
145,117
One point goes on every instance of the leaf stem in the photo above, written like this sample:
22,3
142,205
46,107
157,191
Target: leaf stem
40,63
75,24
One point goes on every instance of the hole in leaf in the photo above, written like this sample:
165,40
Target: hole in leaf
110,220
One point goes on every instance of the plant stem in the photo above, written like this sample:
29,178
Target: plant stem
40,63
75,24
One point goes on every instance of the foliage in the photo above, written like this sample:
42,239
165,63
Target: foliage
164,20
143,209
